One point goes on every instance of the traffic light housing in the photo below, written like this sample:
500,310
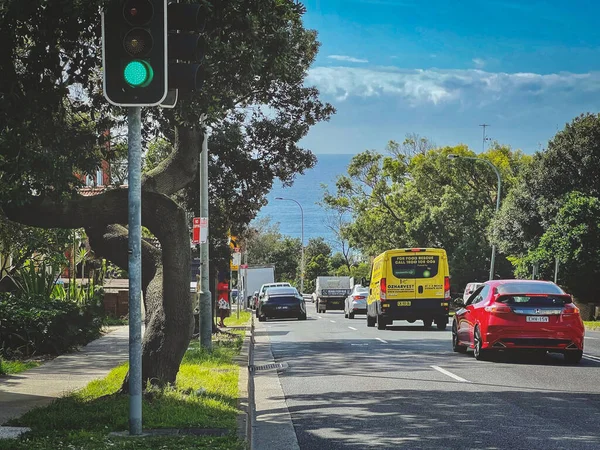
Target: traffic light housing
185,48
134,52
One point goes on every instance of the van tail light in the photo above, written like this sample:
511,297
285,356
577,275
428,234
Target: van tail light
570,310
498,308
383,289
447,288
359,297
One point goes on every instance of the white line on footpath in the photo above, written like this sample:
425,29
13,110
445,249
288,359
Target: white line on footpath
450,374
379,339
332,321
319,317
352,328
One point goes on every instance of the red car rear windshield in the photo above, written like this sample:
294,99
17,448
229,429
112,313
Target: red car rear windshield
524,287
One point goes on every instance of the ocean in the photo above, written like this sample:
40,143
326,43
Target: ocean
307,191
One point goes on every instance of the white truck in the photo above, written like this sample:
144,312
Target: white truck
331,292
253,278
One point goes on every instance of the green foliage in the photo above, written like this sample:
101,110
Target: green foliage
553,210
415,196
37,324
573,238
37,279
28,243
266,245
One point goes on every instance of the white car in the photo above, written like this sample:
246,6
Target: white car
471,287
356,302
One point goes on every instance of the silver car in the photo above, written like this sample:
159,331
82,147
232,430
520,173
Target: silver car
356,302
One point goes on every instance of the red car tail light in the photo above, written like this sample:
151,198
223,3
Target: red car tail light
498,308
383,289
447,288
570,310
359,297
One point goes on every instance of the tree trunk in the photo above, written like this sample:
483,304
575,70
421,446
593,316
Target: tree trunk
169,310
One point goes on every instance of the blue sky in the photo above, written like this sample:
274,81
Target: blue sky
440,68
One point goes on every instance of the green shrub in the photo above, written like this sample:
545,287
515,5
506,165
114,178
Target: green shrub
35,324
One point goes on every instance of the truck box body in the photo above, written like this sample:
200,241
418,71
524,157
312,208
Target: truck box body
254,277
332,292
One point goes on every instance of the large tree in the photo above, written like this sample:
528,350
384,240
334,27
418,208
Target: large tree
552,210
53,113
420,198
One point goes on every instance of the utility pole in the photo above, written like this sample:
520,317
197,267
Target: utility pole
205,311
484,126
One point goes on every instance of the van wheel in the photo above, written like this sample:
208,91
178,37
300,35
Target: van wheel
381,324
441,325
427,323
370,321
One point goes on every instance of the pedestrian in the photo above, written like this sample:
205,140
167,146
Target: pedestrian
223,301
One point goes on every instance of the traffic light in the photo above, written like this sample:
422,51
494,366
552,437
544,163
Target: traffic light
134,52
185,45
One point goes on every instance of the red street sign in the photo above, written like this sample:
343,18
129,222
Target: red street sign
196,231
244,266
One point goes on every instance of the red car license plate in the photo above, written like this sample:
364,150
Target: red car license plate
537,319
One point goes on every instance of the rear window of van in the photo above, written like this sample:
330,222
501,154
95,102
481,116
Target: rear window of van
415,266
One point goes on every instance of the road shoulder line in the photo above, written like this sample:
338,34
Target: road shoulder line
450,374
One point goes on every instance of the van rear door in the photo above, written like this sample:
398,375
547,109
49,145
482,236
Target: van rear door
429,276
401,281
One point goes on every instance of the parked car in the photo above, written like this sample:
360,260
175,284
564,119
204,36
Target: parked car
356,302
281,303
507,315
469,289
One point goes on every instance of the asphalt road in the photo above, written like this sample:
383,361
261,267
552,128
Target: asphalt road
349,386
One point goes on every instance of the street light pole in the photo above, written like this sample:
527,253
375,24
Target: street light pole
302,239
493,260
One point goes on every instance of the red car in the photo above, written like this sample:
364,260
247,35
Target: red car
518,314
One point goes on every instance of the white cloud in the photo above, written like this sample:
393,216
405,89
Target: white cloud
479,63
475,88
347,59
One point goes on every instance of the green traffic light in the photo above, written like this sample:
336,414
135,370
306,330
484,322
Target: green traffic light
138,73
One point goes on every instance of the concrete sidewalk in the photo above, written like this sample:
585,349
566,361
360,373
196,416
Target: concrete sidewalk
66,373
272,427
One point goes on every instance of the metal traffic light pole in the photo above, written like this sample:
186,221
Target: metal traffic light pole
134,150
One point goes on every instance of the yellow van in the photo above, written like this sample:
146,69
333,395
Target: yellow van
409,284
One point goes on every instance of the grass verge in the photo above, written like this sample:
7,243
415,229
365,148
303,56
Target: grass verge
592,325
13,367
204,396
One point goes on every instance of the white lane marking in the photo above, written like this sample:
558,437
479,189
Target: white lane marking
319,317
594,339
352,328
362,345
592,358
450,374
332,321
379,339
